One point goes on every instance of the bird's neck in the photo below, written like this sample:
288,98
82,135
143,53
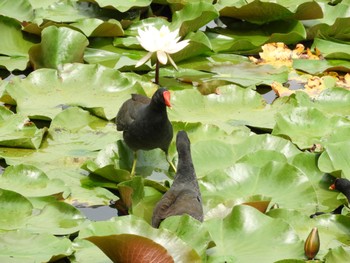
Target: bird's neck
154,106
185,166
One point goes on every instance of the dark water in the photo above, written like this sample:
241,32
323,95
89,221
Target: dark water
99,213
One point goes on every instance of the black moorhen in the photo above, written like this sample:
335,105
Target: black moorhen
342,185
184,196
145,123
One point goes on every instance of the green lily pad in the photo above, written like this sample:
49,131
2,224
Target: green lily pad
45,92
57,218
339,254
231,107
333,229
63,12
189,230
17,130
30,181
199,44
306,126
266,142
93,27
25,247
319,66
285,184
58,45
332,27
85,251
249,74
137,229
246,38
331,49
307,162
121,5
261,12
15,210
193,16
246,229
14,45
209,155
335,159
21,10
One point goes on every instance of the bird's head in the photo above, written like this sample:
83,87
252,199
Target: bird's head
162,95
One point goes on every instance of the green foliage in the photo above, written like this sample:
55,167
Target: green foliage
263,167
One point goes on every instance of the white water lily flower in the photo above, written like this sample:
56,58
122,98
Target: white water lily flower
162,42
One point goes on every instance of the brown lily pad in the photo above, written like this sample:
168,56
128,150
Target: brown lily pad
131,248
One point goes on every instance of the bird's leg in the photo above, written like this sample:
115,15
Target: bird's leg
170,163
134,164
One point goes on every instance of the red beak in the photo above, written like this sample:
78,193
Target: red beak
332,187
166,96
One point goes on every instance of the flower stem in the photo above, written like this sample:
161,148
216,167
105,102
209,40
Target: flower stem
156,78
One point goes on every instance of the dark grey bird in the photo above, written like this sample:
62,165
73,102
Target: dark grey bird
184,196
342,185
145,123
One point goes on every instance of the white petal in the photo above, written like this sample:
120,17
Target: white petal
177,47
162,57
173,35
144,59
172,61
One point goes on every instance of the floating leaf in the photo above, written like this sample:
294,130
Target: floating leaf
21,10
245,38
15,210
57,218
138,229
261,12
133,248
17,130
24,247
245,229
336,158
100,89
333,229
190,230
193,16
30,181
121,5
14,44
306,126
244,180
227,109
58,45
85,251
339,254
94,27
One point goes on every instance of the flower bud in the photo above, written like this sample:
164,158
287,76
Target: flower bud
312,244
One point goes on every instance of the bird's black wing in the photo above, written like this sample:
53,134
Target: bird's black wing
129,111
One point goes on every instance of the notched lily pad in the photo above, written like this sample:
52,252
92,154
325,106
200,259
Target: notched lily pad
245,229
30,181
15,210
131,226
45,92
57,218
131,248
23,246
282,182
58,45
18,131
